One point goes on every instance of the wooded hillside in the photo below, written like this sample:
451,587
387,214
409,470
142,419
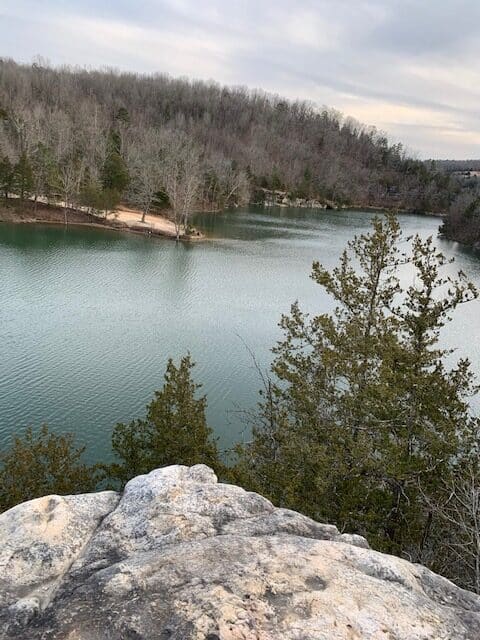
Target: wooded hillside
462,220
95,137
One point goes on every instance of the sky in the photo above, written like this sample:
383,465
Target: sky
409,67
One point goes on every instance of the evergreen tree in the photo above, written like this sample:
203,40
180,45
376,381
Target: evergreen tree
97,198
361,416
40,463
23,177
6,176
123,116
114,174
275,180
174,430
427,407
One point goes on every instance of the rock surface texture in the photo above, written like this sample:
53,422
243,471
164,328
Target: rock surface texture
178,556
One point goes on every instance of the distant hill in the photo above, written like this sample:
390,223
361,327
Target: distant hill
457,165
98,136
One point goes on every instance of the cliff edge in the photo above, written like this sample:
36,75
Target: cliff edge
179,556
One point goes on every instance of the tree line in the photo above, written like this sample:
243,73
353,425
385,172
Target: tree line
362,421
462,221
93,138
462,215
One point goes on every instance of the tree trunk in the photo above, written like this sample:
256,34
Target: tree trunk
176,221
425,535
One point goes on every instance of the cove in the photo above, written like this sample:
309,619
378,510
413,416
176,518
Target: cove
88,317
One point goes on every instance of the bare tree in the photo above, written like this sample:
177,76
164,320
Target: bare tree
234,131
458,511
181,177
144,165
43,168
230,185
70,173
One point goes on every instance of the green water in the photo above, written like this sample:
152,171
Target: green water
89,317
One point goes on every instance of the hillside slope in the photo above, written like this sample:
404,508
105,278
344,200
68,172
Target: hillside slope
65,130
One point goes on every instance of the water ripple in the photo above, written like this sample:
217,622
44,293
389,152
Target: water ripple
88,319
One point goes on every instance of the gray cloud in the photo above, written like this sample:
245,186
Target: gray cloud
406,66
421,27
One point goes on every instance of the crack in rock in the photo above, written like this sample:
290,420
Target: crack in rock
179,556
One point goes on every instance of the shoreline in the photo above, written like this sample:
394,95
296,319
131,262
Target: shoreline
354,207
124,220
358,207
408,212
128,220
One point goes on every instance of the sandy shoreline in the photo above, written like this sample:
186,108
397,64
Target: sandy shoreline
123,219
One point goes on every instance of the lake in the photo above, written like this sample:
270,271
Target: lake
89,317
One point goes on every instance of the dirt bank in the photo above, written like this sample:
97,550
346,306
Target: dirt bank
124,219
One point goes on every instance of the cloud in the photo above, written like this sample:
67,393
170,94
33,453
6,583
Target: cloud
406,66
422,28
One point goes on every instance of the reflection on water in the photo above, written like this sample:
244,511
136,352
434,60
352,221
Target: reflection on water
89,317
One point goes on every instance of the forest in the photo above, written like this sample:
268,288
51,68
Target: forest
94,138
462,220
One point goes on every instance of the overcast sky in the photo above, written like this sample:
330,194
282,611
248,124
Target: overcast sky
410,67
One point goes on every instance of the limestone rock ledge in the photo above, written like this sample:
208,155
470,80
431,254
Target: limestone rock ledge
178,556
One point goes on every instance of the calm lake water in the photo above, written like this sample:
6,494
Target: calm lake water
88,317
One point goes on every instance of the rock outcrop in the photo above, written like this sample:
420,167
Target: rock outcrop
178,556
